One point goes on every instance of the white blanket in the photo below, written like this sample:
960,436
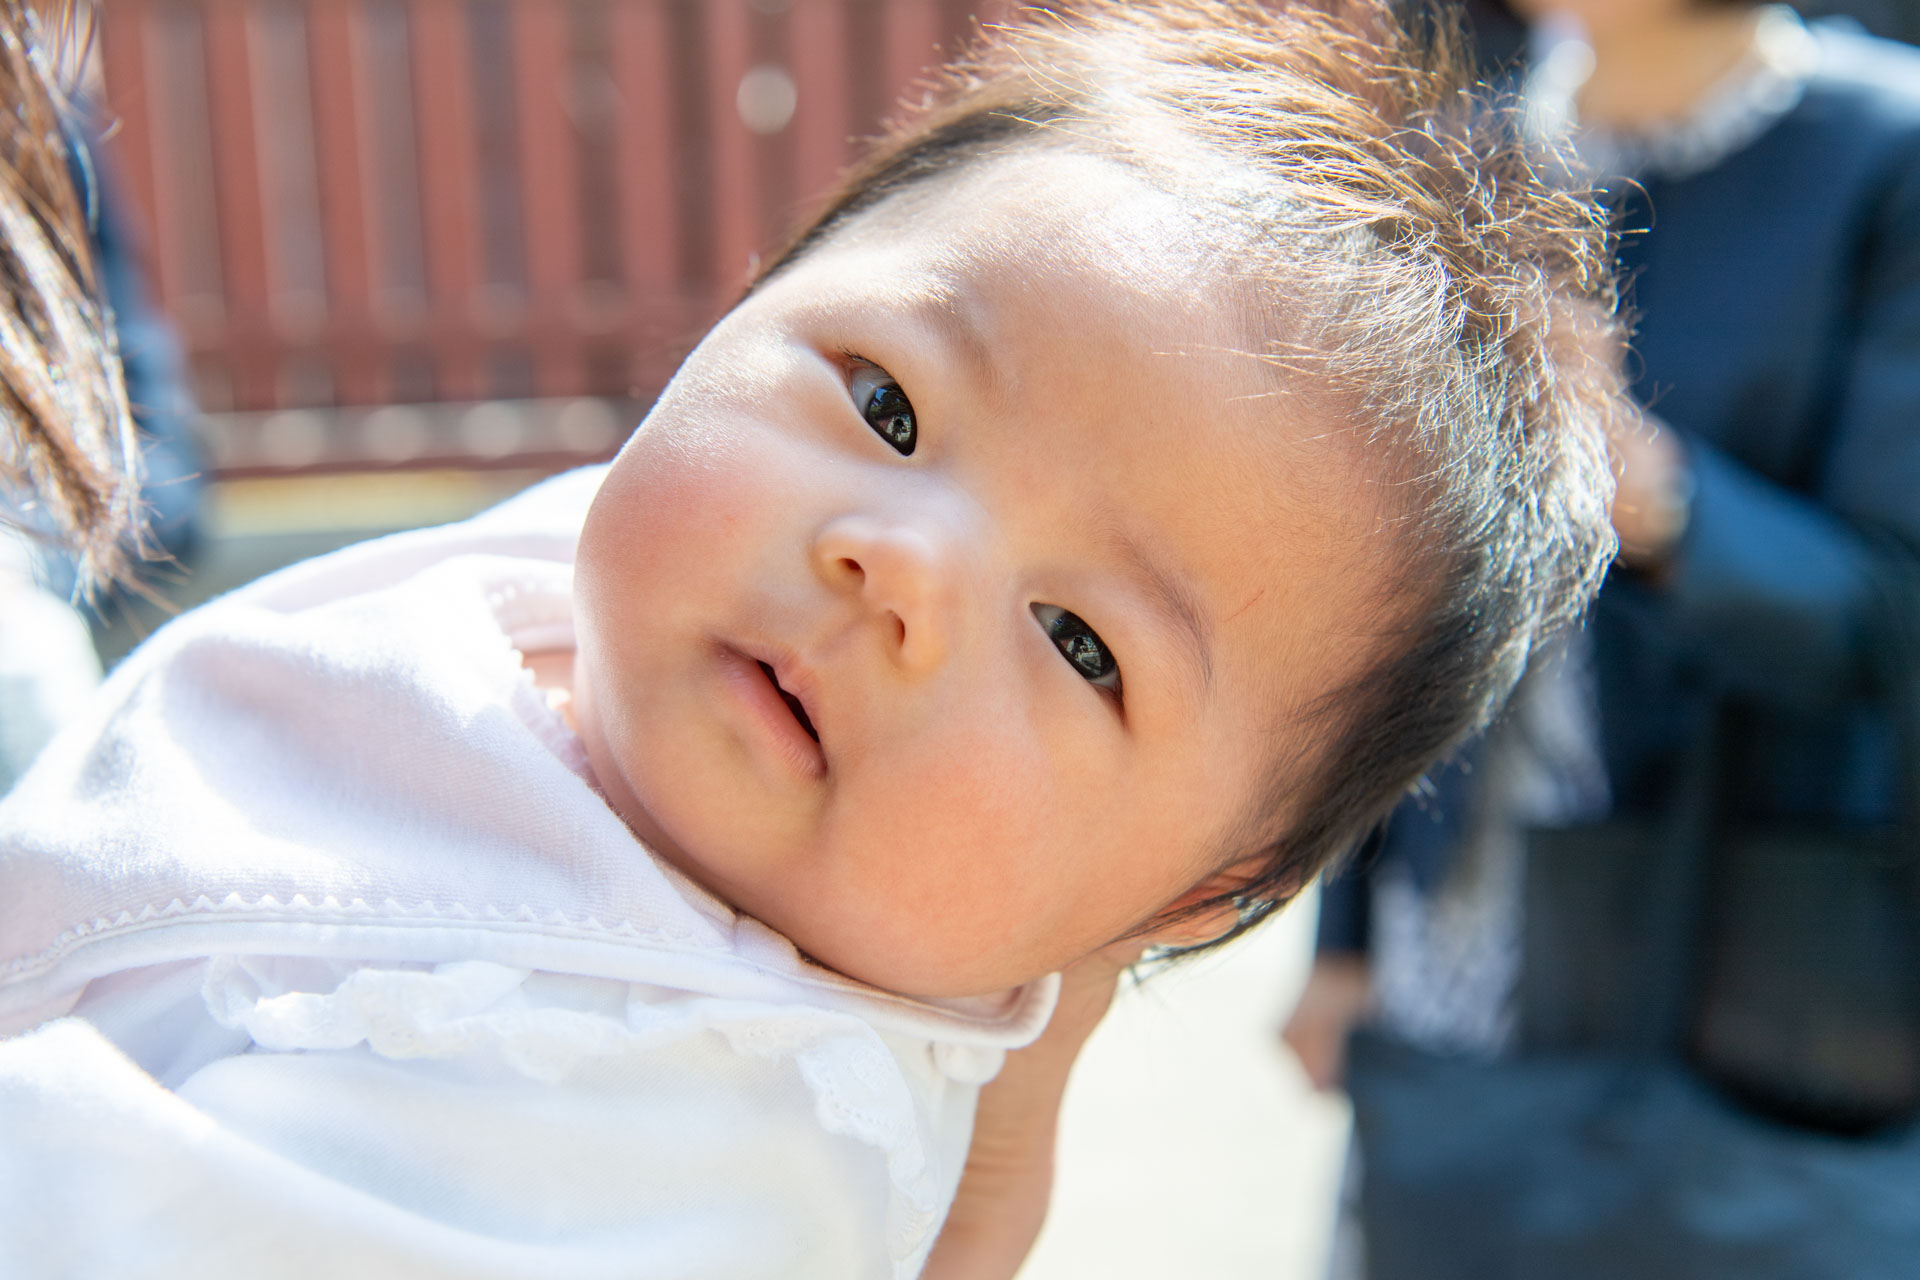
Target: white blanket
339,966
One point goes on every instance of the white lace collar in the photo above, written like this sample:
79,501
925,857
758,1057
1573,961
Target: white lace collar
1768,83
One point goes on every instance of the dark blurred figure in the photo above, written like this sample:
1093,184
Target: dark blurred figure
47,661
153,368
1895,19
1767,176
1500,34
155,372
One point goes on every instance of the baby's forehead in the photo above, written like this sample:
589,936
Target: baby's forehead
1033,200
1113,257
1086,287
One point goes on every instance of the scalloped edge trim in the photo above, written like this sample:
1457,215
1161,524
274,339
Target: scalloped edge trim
1024,1016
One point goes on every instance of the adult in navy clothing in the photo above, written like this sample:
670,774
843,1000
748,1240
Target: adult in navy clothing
1767,175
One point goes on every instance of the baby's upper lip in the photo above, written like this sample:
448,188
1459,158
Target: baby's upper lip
793,675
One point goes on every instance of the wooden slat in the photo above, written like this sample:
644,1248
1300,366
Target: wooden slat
650,213
823,121
912,35
185,192
773,158
550,191
389,144
449,198
739,196
129,150
333,28
661,304
237,185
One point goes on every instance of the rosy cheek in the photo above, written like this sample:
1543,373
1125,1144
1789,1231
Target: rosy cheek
665,480
967,808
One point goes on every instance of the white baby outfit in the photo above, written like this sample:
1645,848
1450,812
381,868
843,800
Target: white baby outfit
320,956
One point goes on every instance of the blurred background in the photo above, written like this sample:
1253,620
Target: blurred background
417,253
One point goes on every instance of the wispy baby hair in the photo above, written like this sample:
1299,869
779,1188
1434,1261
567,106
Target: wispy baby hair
69,464
1401,258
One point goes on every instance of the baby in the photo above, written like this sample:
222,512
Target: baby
1164,446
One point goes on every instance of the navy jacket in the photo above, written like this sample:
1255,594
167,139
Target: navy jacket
1777,298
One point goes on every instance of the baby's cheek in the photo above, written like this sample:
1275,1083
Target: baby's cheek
959,834
678,479
665,544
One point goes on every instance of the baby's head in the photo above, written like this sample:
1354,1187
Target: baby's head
1164,448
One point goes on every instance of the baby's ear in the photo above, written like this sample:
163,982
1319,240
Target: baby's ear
1175,927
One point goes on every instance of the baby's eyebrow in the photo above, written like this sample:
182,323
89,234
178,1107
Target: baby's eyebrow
957,315
1174,600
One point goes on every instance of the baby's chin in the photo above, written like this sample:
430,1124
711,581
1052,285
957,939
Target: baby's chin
888,948
929,966
920,960
926,965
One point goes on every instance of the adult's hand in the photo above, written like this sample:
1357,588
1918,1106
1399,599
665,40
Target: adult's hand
1654,494
1338,994
1009,1175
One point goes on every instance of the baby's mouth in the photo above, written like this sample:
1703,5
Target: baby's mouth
793,703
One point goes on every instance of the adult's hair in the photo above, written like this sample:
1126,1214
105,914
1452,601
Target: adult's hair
1427,285
69,464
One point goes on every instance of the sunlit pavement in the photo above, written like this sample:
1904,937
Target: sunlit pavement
1191,1145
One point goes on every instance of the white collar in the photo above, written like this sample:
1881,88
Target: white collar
1750,99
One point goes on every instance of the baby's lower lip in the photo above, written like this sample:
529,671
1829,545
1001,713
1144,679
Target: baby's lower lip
776,723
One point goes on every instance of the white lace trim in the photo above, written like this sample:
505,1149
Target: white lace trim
858,1093
442,1012
476,1007
535,615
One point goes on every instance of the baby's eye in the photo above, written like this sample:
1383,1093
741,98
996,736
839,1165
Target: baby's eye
885,406
1079,645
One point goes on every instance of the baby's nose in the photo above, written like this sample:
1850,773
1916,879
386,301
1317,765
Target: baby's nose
903,575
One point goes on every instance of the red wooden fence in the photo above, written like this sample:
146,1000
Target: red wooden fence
360,202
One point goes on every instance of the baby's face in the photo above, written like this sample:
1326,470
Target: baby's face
954,606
